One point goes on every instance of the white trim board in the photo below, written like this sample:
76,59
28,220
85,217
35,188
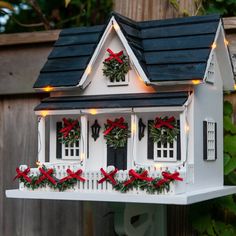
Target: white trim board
178,199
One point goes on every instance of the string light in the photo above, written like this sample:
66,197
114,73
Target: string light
38,164
133,127
196,81
213,46
88,70
226,42
48,89
186,128
82,156
93,111
116,26
234,86
44,113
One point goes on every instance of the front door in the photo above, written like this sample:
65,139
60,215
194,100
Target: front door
117,157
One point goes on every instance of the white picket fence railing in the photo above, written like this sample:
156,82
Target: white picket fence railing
92,177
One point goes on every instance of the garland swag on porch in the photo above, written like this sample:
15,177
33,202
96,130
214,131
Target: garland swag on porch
138,179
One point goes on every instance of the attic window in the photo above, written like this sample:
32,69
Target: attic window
123,82
211,70
209,140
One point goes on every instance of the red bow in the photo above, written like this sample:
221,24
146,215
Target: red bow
173,176
73,175
115,56
46,175
68,127
118,123
167,123
23,174
167,177
108,176
135,175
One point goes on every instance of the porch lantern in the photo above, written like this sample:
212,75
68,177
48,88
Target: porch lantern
95,130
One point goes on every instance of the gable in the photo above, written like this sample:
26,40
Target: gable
97,83
163,51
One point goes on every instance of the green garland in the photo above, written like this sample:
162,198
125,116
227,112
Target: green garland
116,71
150,187
164,134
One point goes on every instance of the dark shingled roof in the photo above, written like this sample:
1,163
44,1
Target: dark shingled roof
111,101
167,50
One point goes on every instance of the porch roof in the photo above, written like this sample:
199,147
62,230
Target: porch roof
162,99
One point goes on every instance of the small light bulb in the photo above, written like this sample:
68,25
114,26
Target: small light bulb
88,70
116,26
82,156
44,113
133,128
195,81
187,128
213,46
93,111
158,166
234,86
226,42
48,89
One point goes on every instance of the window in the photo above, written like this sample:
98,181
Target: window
70,151
165,151
209,140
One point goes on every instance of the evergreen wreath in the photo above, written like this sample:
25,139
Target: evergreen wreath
116,133
70,132
164,130
116,66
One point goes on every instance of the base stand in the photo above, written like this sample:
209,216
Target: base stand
139,219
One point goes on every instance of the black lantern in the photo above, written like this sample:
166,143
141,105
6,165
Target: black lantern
95,130
141,129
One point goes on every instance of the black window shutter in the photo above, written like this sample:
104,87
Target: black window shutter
150,146
215,140
58,143
178,143
204,140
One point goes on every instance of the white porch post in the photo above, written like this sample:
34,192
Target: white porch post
134,138
84,141
41,139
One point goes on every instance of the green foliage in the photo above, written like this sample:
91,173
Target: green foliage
71,136
116,71
222,7
117,137
58,15
217,217
163,134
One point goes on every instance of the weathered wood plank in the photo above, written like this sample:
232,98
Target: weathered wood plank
20,67
75,39
180,30
229,23
179,56
67,78
188,42
65,64
72,51
29,38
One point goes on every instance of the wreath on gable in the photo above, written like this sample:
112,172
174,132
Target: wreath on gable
116,66
116,133
70,132
164,130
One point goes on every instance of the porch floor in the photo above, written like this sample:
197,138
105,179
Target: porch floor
177,199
